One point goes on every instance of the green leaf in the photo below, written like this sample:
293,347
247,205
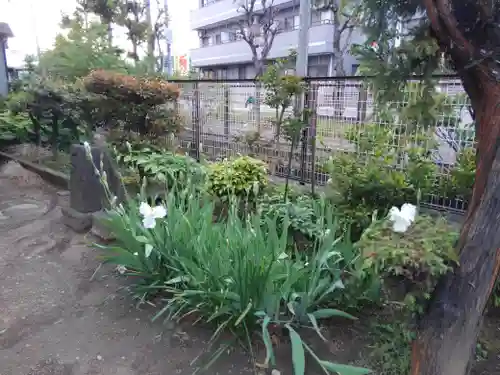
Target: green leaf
142,239
345,369
147,250
329,313
298,356
267,342
314,322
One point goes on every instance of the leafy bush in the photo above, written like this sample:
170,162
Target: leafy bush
151,108
460,181
235,274
379,175
160,166
14,128
417,257
240,177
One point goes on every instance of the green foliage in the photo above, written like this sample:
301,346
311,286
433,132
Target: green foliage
379,174
159,166
84,49
50,107
243,177
391,349
460,181
152,103
14,128
234,274
281,90
418,257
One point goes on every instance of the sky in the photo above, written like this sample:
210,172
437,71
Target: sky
35,20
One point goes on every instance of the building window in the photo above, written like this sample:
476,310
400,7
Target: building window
205,41
288,24
326,16
222,73
296,22
218,39
242,72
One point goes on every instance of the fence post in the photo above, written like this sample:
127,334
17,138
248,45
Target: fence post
226,112
313,99
303,152
362,103
195,107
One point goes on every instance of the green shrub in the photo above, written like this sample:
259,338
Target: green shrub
240,177
461,179
416,258
14,128
234,274
159,166
379,175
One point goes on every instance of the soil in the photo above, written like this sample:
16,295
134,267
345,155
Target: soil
63,313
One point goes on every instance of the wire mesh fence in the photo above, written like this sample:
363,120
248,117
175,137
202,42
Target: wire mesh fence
227,118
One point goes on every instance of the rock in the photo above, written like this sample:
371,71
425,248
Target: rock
87,194
78,221
99,229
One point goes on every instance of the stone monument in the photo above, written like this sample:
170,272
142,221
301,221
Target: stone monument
88,199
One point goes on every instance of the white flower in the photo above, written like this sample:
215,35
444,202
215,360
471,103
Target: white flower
150,214
136,254
402,219
121,269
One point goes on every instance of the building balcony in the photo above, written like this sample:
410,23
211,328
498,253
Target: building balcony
216,12
237,52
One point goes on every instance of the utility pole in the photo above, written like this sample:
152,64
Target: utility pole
303,45
167,64
151,38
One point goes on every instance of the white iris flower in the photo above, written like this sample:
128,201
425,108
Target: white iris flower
150,214
402,218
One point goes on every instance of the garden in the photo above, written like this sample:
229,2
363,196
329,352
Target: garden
268,265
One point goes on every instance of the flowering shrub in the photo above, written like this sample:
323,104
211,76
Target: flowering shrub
418,255
378,175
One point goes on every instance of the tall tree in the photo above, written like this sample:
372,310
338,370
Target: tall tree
467,32
106,10
79,51
258,28
345,19
132,15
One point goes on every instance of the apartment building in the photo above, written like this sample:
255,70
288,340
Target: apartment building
223,54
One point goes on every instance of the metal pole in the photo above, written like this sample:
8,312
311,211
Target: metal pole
168,68
303,45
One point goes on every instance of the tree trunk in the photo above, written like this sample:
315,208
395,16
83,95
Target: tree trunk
449,329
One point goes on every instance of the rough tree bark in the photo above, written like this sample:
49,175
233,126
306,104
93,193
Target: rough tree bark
468,33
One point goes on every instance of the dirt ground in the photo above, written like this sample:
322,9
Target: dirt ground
63,314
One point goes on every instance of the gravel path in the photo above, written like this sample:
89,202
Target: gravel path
58,315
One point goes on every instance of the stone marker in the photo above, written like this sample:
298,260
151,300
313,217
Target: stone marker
87,195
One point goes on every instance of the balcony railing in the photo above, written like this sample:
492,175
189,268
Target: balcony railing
206,3
236,36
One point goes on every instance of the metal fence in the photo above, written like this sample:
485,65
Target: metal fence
221,121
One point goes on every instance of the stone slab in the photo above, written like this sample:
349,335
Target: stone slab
99,229
78,221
